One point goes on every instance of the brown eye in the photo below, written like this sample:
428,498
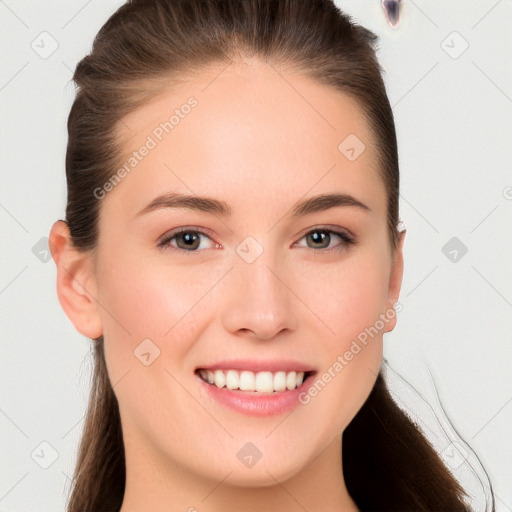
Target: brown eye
321,238
187,240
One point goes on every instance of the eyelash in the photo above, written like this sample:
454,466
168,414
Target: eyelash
346,240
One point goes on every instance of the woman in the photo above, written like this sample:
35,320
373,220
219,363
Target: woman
230,235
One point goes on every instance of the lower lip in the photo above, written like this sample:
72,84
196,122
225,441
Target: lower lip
256,404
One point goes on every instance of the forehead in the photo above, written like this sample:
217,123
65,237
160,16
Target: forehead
253,129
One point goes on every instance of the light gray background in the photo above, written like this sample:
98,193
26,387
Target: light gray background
454,121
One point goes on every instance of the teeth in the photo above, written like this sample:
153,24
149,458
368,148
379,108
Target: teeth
220,379
232,379
246,381
263,382
279,381
291,380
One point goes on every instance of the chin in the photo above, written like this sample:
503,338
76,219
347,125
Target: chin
261,475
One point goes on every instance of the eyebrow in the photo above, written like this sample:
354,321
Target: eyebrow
210,205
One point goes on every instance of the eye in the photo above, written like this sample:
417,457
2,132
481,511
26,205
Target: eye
187,240
321,238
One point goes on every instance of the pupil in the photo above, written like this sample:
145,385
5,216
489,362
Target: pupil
189,239
318,236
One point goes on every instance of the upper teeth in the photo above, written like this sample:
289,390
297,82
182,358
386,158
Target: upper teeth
253,381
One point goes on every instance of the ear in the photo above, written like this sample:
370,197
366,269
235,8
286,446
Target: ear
76,285
395,280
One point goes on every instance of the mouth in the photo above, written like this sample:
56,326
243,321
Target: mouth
251,382
255,387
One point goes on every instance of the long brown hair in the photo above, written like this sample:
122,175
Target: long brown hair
143,48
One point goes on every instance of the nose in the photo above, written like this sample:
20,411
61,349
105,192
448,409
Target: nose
259,303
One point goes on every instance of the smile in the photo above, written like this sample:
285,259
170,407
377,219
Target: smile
267,389
259,382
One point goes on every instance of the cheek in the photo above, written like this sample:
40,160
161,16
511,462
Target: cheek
149,298
353,298
346,297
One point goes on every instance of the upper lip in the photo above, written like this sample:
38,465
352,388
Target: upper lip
270,365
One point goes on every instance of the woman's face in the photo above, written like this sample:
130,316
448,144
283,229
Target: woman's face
263,289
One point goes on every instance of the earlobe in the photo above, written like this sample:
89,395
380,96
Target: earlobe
76,284
395,280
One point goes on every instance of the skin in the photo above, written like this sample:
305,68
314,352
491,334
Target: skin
261,146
